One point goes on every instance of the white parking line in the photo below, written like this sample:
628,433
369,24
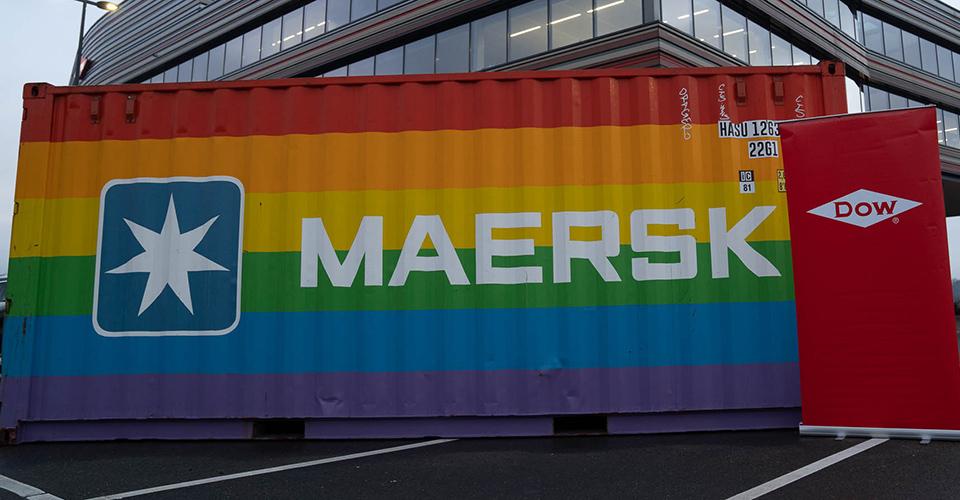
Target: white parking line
24,490
805,471
270,470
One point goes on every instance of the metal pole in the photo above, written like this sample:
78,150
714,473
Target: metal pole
75,74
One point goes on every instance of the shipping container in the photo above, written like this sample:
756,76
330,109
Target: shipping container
452,255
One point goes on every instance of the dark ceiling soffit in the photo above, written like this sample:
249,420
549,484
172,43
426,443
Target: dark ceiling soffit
950,161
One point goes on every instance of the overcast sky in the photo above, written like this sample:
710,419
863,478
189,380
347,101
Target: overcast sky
40,39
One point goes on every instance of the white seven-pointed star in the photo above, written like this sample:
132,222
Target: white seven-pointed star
168,256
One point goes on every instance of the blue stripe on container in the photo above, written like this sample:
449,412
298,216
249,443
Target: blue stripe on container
404,341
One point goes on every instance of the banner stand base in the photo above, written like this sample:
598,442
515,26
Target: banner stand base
924,435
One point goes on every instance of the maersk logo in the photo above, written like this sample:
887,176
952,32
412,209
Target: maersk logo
864,208
168,257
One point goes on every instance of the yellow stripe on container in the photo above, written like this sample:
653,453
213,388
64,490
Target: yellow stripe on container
273,220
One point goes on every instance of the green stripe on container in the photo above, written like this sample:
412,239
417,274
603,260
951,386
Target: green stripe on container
271,283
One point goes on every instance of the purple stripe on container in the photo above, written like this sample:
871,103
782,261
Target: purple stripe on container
105,430
422,427
406,427
730,420
414,394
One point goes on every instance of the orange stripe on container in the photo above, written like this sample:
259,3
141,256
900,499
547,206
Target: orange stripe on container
568,156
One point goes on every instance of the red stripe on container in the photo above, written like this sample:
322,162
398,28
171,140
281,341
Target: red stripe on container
430,102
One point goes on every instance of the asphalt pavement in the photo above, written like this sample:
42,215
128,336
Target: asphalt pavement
690,465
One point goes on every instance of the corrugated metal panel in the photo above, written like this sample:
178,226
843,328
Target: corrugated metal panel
132,302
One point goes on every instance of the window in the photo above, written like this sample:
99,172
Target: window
898,102
800,57
831,11
185,72
338,14
940,125
956,67
314,19
945,63
782,51
362,8
893,46
270,43
878,100
419,56
872,33
361,68
251,47
200,67
170,75
342,71
488,45
615,15
292,31
759,39
928,56
677,13
816,6
453,50
215,64
848,20
233,56
528,29
389,62
571,21
911,49
734,33
706,21
383,4
951,129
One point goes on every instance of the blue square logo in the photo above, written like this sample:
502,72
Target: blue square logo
169,257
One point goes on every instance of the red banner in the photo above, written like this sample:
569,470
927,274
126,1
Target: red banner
877,337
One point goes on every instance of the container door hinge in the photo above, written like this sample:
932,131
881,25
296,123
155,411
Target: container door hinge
778,90
95,109
131,110
740,90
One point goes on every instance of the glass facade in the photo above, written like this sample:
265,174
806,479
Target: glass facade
538,26
522,31
525,30
726,29
884,38
282,33
948,122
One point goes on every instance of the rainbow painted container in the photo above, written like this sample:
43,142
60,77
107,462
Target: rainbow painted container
460,255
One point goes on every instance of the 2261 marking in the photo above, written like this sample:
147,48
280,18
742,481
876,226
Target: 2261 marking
763,149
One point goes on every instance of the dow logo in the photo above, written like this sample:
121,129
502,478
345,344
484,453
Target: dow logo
168,257
864,208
